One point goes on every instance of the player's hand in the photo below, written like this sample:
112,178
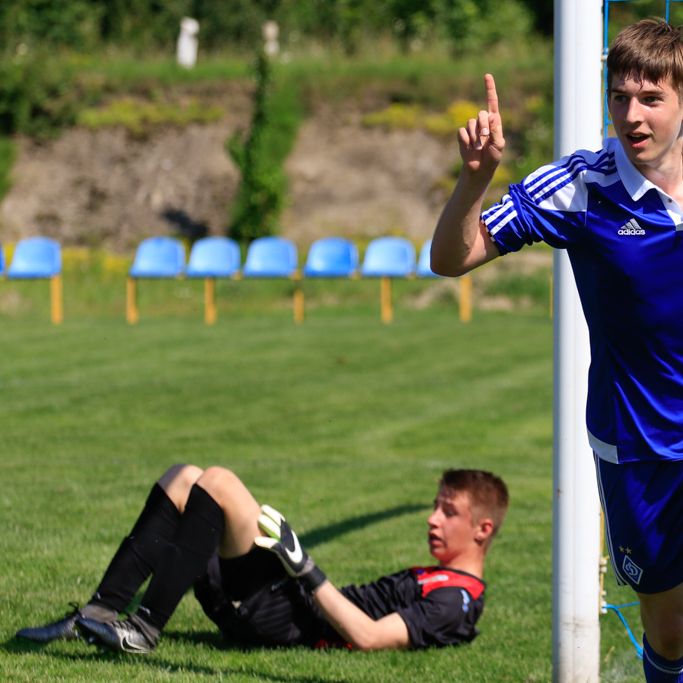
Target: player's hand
280,539
481,141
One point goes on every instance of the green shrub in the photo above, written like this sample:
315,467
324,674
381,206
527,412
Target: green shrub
7,153
261,153
38,97
138,116
396,115
66,23
412,116
476,24
144,25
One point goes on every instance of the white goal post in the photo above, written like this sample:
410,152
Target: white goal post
576,508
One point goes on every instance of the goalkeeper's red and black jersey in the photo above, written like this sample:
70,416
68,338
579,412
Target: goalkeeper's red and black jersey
254,603
439,606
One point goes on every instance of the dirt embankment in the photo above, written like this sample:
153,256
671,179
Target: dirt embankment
110,188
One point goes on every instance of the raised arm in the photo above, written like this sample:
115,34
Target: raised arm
354,625
461,241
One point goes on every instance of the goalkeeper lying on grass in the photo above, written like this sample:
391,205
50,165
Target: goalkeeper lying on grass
203,529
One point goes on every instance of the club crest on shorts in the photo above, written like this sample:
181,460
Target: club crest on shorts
633,571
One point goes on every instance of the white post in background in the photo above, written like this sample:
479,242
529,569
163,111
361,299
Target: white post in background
576,508
186,50
270,32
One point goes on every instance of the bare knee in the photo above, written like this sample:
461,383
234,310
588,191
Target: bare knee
177,482
239,507
220,483
663,621
665,639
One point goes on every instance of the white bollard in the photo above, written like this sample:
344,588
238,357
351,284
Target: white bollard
270,32
186,53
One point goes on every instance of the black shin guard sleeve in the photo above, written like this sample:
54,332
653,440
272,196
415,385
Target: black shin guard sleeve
139,552
184,560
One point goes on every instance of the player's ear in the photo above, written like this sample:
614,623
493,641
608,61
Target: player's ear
483,530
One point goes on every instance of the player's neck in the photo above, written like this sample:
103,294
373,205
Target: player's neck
471,565
667,175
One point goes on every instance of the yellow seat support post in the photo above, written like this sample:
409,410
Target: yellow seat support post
210,313
132,314
56,300
387,310
466,298
298,302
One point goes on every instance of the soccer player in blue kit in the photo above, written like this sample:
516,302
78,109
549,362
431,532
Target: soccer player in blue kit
619,213
203,529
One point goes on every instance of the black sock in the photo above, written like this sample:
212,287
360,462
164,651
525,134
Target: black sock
136,557
183,561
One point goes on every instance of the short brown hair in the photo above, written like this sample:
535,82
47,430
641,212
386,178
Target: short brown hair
651,49
488,493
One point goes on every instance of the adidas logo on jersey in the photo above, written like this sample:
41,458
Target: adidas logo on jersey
630,228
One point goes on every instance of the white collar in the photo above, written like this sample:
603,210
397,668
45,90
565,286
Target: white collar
635,183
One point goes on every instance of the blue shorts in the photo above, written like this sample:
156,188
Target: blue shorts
643,506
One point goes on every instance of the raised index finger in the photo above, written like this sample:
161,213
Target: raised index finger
491,94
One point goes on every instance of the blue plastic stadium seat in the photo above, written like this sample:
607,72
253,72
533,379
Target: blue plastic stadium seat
158,257
36,257
424,268
332,257
271,257
214,257
389,257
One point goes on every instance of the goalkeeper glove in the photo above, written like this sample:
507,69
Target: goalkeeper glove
280,539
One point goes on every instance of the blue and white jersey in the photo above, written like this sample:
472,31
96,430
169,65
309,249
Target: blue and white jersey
624,238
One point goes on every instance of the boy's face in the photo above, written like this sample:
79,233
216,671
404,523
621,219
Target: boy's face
452,530
647,118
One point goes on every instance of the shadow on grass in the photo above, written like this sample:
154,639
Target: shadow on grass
18,646
323,534
213,639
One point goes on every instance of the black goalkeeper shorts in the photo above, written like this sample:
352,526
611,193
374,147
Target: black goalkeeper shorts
254,602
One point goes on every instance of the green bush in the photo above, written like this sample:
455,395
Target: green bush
143,25
475,24
38,97
7,152
139,117
27,24
260,155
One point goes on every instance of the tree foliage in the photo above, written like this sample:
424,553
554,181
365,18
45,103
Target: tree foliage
153,24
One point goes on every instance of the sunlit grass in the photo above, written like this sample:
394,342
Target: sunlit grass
336,421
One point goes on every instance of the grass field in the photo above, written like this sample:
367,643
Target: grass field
343,423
